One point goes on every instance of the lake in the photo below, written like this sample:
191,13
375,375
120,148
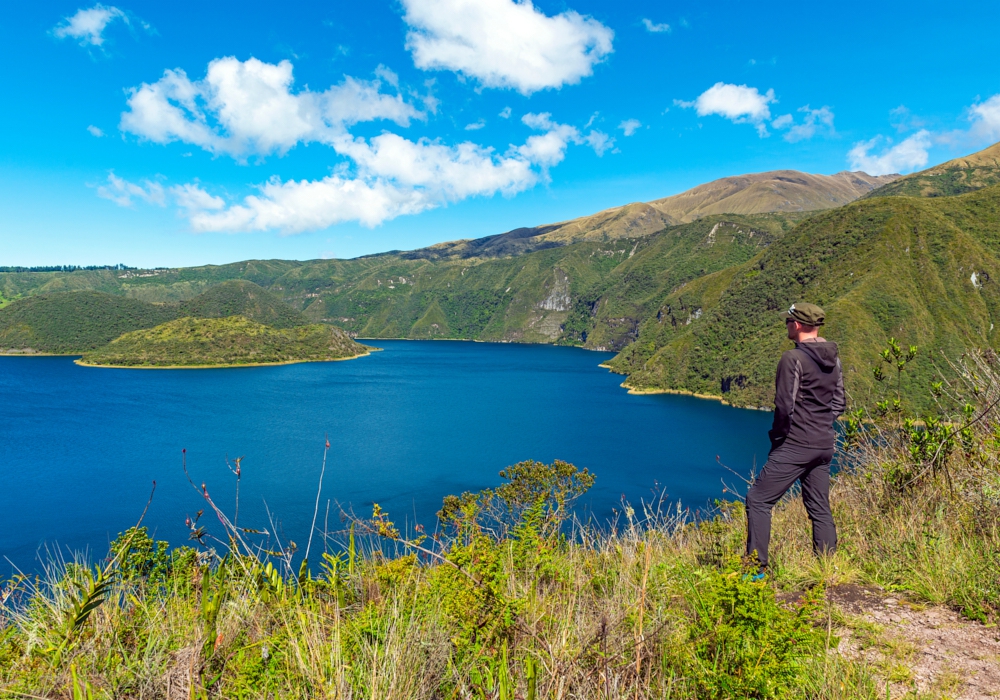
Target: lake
80,446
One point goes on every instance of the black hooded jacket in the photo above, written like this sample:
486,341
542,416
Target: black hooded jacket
808,395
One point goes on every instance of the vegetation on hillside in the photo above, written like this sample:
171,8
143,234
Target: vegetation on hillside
235,340
512,599
955,177
69,323
75,322
242,298
922,270
690,308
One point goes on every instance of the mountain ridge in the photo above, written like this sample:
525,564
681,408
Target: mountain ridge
786,191
954,177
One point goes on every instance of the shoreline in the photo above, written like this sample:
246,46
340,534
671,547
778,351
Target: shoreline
37,354
81,363
680,392
490,342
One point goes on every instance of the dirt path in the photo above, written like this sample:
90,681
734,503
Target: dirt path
928,650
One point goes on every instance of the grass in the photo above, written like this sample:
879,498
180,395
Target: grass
508,597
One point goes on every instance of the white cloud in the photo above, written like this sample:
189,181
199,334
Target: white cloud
599,141
392,176
395,177
505,113
985,118
907,155
783,122
248,107
738,103
814,121
549,149
388,75
195,199
122,192
87,26
630,126
655,28
475,126
94,131
505,44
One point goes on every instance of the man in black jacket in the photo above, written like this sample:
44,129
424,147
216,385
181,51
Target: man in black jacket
808,398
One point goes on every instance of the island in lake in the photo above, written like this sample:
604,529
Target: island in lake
233,324
232,341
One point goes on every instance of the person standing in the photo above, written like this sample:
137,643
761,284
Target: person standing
808,398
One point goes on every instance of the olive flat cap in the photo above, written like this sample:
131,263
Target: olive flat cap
809,314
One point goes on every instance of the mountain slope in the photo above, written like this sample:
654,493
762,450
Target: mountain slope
788,191
925,271
778,190
242,298
957,176
71,322
76,321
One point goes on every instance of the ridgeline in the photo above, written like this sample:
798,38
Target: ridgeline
688,306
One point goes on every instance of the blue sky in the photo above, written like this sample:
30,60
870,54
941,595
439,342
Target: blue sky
187,133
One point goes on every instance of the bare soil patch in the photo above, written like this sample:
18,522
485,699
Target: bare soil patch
918,650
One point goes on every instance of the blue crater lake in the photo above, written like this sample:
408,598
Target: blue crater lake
80,446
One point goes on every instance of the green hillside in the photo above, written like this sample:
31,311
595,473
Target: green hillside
71,322
955,177
75,321
236,340
922,270
242,298
691,307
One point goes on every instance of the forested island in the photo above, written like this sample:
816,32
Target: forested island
233,341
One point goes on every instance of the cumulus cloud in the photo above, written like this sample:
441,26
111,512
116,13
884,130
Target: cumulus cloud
505,113
655,28
738,103
124,193
505,44
249,107
912,153
391,176
630,126
905,156
194,199
985,117
395,176
814,121
94,131
549,148
87,26
475,126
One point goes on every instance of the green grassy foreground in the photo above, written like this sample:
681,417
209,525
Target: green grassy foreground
501,603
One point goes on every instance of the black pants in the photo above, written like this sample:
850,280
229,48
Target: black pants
785,465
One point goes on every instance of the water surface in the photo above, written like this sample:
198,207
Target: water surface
80,446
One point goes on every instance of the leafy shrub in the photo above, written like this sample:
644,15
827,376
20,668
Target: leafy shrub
745,645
